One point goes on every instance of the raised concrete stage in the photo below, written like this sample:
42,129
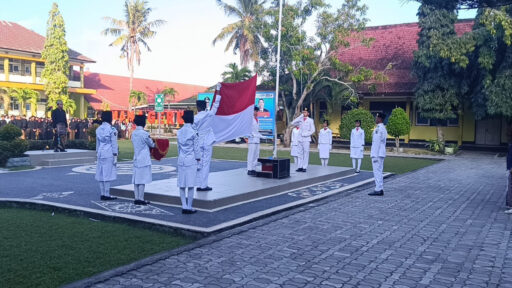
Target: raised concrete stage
48,158
233,187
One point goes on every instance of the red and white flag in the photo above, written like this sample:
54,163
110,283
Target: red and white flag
236,110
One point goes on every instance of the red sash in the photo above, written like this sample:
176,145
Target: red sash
161,148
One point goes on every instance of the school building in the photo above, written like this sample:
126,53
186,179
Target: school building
394,45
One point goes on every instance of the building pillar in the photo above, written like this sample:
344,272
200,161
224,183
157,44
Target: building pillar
33,72
81,76
83,111
6,69
461,127
408,112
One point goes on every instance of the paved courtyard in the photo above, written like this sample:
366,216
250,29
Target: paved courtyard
442,226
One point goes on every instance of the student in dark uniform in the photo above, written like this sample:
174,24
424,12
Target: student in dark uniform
3,122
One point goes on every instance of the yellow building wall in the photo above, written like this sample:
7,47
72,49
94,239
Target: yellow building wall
422,133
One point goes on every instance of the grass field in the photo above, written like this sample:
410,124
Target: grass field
41,250
397,165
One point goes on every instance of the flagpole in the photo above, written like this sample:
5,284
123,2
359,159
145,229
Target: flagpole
277,77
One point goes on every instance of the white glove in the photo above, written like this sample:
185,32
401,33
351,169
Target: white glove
218,87
115,160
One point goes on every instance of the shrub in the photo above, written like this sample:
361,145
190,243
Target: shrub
9,132
12,149
435,145
348,120
398,124
71,144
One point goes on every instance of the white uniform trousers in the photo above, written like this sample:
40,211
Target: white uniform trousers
303,154
204,166
378,167
252,156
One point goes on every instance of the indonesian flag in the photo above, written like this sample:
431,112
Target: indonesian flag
236,110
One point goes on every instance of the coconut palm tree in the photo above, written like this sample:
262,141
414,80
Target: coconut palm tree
23,95
235,74
169,94
244,34
132,32
138,98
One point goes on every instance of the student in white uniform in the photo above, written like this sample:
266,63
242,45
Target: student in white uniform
202,124
254,145
324,143
357,146
295,146
188,159
306,129
378,154
141,159
106,151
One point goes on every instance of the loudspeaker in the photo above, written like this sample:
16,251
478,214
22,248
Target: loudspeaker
274,168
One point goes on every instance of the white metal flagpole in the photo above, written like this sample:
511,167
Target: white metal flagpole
277,76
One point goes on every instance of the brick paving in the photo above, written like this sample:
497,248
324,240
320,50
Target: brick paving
442,226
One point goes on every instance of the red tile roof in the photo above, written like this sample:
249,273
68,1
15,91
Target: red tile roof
16,37
394,44
115,90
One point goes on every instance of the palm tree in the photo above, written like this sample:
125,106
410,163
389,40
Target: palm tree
235,74
169,94
137,98
69,105
134,30
23,95
244,35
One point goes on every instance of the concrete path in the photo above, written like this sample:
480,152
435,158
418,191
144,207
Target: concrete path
442,226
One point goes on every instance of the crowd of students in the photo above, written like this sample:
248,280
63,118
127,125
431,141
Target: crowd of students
40,128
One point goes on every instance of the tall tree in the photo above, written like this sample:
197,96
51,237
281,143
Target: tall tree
55,54
439,91
132,32
311,63
236,74
24,95
244,34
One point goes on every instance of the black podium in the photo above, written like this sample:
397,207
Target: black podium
274,168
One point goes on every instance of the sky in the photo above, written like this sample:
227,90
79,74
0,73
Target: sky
182,50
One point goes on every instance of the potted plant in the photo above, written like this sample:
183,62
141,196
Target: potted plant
451,149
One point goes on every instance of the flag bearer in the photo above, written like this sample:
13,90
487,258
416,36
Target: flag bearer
357,146
106,150
141,159
324,143
254,145
378,154
306,129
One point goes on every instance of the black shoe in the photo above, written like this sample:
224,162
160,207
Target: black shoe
251,173
108,198
303,170
192,211
140,202
377,193
299,170
188,211
201,189
357,171
208,188
63,150
56,150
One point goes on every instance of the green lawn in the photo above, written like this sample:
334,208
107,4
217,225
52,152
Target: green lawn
397,165
41,250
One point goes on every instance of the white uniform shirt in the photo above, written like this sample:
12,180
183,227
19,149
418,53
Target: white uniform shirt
188,146
106,141
379,141
325,136
203,124
295,137
306,128
141,143
255,136
357,138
